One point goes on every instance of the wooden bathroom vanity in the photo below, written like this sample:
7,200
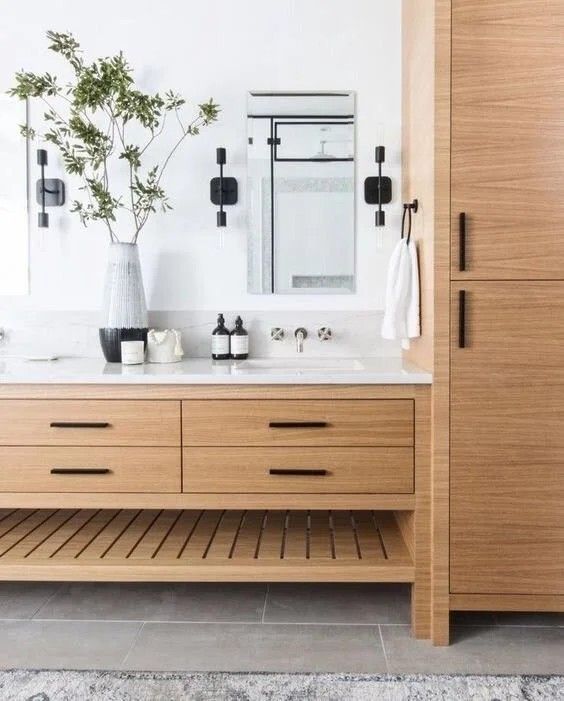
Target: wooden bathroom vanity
193,476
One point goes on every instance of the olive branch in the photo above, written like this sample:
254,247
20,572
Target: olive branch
90,119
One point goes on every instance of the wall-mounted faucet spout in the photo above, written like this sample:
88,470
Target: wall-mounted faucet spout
300,334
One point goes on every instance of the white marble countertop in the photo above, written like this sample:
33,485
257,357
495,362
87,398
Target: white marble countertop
307,370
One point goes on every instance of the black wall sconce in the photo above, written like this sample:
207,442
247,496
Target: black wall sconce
49,192
378,189
223,191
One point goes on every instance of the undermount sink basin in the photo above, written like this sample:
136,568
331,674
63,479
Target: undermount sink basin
298,365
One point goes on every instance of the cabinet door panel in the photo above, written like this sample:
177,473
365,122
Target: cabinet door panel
507,439
508,138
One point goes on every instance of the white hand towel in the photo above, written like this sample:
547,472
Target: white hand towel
401,316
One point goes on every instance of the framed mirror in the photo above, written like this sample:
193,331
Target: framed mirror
301,184
14,243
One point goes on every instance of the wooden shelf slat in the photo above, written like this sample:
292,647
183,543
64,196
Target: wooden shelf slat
79,542
172,546
57,540
202,535
320,537
271,541
175,545
222,545
248,536
49,528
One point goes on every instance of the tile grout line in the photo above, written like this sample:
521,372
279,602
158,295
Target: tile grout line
484,626
133,642
58,589
265,601
384,649
226,623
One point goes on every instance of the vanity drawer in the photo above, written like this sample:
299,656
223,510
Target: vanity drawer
298,470
89,422
53,469
315,422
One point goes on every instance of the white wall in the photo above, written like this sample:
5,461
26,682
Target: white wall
220,49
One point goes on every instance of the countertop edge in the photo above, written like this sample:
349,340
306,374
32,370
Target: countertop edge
84,371
293,380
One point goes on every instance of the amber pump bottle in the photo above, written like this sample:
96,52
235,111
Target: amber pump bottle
239,341
220,340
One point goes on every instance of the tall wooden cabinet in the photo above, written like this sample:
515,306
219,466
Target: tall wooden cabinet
506,304
486,79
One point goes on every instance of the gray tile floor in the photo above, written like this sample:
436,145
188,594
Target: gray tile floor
254,627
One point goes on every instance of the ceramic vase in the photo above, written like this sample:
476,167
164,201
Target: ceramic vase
125,309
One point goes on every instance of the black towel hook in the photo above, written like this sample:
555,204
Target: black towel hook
408,208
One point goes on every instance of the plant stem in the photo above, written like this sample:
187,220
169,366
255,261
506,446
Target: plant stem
121,135
88,144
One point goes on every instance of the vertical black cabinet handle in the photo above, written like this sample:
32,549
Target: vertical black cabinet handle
462,319
462,242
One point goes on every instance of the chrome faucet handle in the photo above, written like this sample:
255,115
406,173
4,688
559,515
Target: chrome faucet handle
301,334
324,333
276,334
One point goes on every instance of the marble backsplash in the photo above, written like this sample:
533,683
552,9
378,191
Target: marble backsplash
76,333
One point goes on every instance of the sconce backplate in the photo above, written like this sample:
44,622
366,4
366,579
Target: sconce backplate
230,191
54,192
371,190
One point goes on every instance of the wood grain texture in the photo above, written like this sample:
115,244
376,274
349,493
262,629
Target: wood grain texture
229,391
131,469
203,546
349,423
418,162
349,470
441,371
60,500
506,602
421,598
131,423
314,536
507,442
507,131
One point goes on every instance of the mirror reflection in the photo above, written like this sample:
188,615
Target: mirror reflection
301,149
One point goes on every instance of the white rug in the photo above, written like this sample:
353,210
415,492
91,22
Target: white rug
29,685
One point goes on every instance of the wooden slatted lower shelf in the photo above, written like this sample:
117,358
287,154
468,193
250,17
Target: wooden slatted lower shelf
191,545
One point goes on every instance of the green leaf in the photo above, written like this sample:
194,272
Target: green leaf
87,121
27,132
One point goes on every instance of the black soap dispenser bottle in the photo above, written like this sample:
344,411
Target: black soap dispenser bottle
220,340
239,341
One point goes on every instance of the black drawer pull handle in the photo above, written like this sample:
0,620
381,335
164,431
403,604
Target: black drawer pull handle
462,242
298,424
79,424
462,319
80,471
297,471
